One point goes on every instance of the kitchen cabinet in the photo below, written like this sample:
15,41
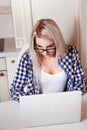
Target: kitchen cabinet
8,67
11,68
8,62
4,91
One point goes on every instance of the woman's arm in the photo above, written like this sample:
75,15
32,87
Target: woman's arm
19,81
79,83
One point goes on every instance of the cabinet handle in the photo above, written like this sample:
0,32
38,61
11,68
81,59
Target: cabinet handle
12,61
2,74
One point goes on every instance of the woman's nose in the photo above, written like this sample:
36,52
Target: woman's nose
45,52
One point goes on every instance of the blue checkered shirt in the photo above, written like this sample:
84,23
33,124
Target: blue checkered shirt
23,80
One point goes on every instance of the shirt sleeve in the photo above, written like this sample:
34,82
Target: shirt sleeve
20,78
79,79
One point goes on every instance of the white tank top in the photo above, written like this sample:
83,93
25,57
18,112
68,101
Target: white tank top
51,83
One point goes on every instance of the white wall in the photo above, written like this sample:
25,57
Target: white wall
83,33
62,11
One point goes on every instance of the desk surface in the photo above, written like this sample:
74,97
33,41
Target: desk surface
75,126
10,118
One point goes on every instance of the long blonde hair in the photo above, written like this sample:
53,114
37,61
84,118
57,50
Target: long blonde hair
49,29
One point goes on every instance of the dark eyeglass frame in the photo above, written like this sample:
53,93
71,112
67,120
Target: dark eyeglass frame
47,50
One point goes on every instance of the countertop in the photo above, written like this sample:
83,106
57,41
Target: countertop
9,48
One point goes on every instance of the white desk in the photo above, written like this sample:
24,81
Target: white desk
10,118
74,126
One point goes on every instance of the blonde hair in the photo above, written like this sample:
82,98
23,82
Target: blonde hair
49,29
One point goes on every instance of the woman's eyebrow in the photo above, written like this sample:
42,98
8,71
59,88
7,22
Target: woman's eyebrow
51,45
39,45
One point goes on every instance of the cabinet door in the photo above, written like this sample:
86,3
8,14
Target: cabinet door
11,68
62,11
2,64
4,92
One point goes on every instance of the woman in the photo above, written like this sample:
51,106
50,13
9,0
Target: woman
49,65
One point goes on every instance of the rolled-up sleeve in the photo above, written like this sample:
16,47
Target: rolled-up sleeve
20,78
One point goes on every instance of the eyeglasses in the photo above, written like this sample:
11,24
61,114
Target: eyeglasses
48,50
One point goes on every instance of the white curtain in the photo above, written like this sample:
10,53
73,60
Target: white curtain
81,31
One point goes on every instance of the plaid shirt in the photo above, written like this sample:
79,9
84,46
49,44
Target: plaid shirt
23,80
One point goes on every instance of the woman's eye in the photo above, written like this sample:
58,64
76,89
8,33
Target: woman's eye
50,47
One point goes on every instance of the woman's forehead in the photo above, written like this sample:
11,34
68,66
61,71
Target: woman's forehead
43,40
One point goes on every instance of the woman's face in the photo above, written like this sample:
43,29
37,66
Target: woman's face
45,46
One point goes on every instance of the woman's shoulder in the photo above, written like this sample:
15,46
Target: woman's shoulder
25,58
73,53
72,49
26,54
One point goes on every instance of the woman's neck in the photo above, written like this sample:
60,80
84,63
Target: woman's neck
50,65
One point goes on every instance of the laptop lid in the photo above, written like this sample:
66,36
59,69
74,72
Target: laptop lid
50,109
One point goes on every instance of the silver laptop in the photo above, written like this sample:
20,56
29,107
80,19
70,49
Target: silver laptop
50,109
